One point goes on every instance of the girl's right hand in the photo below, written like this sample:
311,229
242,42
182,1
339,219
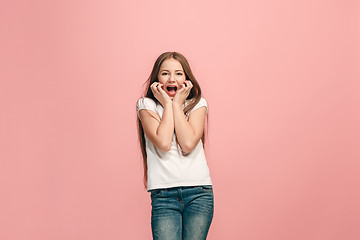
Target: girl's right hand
160,94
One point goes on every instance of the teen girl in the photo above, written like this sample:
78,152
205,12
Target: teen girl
171,121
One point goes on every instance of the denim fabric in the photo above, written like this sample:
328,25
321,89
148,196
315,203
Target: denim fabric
182,212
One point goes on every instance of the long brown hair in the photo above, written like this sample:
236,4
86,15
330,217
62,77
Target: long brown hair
194,97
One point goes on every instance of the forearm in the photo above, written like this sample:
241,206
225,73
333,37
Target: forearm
165,131
184,132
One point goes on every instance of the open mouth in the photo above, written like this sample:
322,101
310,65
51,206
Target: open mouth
171,89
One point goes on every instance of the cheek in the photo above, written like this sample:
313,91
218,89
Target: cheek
181,80
161,79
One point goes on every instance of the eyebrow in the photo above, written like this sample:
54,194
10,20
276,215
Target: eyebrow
168,70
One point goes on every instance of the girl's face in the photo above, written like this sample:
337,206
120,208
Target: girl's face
171,75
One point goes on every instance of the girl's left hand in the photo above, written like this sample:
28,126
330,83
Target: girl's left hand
182,93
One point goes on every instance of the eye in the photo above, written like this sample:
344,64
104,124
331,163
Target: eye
180,73
163,73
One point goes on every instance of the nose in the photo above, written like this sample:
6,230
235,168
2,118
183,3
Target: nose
172,78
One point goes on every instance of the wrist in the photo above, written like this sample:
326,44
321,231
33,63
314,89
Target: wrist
168,104
177,105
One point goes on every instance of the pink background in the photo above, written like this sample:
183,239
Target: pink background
282,83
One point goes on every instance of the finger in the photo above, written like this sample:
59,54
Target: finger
159,87
190,83
183,89
187,88
152,89
155,87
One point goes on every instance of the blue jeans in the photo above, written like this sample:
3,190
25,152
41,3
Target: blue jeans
181,212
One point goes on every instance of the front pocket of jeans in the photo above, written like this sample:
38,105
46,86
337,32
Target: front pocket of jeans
206,188
155,192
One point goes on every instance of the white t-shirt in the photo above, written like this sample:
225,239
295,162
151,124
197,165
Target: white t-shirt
171,169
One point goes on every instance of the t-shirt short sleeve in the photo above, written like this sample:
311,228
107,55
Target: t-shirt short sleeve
145,103
201,103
